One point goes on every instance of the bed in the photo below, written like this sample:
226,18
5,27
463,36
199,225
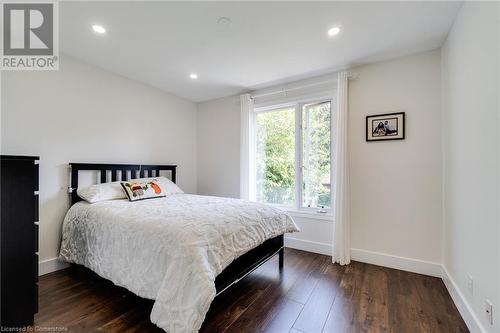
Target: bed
181,250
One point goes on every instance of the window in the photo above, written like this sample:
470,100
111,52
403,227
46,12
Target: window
292,155
316,124
275,156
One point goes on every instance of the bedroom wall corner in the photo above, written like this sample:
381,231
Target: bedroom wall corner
218,145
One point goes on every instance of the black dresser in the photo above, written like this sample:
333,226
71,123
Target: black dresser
19,240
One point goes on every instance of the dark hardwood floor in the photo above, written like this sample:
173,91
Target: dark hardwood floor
310,295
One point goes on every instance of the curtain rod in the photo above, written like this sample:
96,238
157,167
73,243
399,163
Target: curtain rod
285,90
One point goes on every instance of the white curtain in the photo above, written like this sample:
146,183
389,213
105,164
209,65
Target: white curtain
341,234
246,145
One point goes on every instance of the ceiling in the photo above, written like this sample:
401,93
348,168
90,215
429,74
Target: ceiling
161,43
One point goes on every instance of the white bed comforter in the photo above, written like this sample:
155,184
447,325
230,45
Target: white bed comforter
169,249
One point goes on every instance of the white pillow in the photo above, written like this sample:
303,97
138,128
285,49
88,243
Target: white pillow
114,190
169,186
101,192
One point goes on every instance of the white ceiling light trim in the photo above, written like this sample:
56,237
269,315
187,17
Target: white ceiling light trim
334,31
193,76
98,28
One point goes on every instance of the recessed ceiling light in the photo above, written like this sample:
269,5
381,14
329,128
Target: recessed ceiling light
193,76
333,31
98,28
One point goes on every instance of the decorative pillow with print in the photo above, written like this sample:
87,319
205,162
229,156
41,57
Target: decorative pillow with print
137,190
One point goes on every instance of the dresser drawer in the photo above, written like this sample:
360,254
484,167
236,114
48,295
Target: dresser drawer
35,202
35,177
35,236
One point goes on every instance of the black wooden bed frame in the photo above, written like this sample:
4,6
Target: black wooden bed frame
236,271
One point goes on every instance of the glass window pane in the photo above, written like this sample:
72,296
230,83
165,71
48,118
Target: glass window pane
275,156
316,187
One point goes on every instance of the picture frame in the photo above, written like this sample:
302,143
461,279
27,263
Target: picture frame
384,127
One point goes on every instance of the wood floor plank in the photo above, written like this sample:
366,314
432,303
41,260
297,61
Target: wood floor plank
374,313
437,305
405,307
316,310
309,295
286,315
343,316
268,305
304,286
128,321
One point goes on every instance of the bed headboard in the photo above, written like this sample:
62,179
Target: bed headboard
126,171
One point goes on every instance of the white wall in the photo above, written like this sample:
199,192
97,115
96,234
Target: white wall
219,147
396,186
471,157
83,114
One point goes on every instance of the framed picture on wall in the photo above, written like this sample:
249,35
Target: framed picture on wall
389,126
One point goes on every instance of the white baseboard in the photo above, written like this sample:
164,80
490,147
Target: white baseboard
370,257
51,265
310,246
460,301
402,263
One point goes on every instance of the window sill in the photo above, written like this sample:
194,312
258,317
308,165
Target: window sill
310,215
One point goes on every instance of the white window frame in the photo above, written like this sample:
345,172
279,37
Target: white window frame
298,104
